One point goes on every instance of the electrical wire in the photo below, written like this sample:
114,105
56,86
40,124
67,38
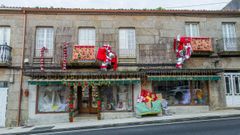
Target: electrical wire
198,5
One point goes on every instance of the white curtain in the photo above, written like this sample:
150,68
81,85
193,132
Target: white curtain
127,42
192,29
5,35
229,36
86,36
44,37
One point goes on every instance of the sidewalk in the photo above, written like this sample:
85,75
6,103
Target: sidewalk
88,124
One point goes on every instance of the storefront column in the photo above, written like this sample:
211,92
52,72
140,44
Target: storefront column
217,99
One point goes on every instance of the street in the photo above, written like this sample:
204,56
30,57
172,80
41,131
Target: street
230,126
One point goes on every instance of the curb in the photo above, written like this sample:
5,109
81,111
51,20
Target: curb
127,124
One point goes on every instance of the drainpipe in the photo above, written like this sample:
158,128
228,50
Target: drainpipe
21,71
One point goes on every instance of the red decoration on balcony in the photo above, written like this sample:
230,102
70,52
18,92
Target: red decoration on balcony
64,66
84,53
43,49
107,56
201,44
183,50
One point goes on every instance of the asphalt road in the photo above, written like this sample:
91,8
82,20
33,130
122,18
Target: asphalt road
212,127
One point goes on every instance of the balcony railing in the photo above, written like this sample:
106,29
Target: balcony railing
228,46
5,55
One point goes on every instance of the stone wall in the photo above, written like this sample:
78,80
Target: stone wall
12,74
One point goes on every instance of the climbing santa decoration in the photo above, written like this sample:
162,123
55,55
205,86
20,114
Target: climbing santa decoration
107,57
43,49
183,50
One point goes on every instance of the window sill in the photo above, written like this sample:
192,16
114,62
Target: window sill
112,111
51,112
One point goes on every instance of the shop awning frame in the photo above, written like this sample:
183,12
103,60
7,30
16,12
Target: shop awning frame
188,77
89,81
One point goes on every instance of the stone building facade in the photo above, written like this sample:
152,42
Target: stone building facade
143,42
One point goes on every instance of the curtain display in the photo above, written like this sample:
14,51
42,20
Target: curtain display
52,98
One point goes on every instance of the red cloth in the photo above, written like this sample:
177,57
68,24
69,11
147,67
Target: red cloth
174,44
114,62
101,55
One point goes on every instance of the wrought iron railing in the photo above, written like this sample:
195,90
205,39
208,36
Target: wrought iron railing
5,54
228,45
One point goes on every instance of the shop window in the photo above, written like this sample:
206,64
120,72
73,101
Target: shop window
44,38
116,98
127,42
86,36
52,98
5,36
192,29
181,93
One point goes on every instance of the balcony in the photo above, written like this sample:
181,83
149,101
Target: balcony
228,46
5,55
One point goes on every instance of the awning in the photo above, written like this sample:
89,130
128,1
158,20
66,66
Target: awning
88,81
177,78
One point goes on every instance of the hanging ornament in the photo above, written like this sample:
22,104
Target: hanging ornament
43,49
64,65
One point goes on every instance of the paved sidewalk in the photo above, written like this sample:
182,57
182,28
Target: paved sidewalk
88,124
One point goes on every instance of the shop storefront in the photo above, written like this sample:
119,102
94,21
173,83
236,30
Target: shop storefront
96,97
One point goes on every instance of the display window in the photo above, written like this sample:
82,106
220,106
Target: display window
52,98
182,92
117,98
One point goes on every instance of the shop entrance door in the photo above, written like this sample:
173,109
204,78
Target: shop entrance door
232,89
86,102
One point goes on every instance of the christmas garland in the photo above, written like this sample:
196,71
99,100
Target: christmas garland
64,66
42,58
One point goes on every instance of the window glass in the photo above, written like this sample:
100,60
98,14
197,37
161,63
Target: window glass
179,92
5,36
192,29
52,98
127,42
227,82
237,85
86,36
44,38
229,36
117,97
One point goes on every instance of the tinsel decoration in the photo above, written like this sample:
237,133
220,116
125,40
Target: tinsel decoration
65,55
43,49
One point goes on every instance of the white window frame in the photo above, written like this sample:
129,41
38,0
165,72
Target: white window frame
5,32
47,40
229,36
87,36
127,42
192,29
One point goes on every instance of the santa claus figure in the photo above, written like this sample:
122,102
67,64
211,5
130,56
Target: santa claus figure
107,56
183,50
